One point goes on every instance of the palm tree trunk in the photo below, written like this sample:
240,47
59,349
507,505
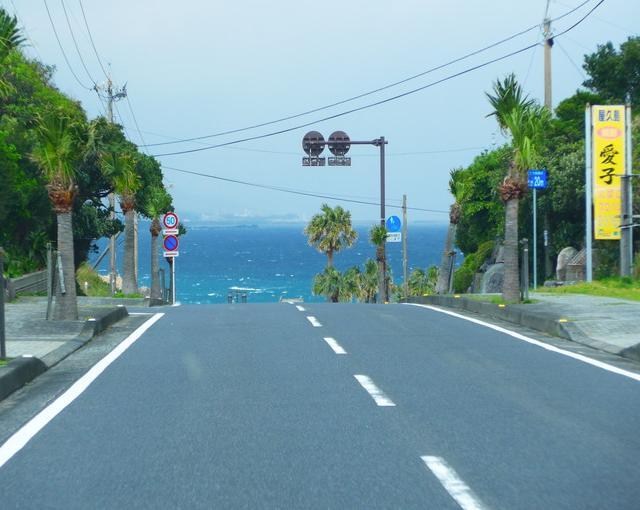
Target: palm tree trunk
380,260
444,275
129,284
330,258
155,275
511,285
66,306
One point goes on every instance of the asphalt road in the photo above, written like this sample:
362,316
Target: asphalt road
248,406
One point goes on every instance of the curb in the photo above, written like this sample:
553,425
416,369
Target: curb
20,371
549,323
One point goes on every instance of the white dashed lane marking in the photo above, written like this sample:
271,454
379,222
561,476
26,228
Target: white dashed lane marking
376,393
453,484
337,348
314,322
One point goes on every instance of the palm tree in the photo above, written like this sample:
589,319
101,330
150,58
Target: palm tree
330,231
10,39
352,284
329,283
525,121
54,153
120,167
369,281
159,202
444,275
378,237
423,282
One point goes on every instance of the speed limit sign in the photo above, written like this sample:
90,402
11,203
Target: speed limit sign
170,220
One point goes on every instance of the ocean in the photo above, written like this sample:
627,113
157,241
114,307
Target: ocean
270,262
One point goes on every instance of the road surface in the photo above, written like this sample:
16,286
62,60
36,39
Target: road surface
331,406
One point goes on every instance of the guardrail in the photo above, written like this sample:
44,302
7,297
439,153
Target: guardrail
32,282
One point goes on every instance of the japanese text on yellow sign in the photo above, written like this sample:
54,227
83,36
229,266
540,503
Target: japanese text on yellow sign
608,165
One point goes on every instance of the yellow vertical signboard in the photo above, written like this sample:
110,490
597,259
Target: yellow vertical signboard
608,165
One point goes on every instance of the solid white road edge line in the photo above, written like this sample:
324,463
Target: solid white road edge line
300,308
19,439
376,393
453,484
314,322
337,348
552,348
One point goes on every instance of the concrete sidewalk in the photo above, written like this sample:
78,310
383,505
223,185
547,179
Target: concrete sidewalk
35,344
607,324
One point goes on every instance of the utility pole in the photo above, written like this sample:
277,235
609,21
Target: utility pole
112,95
548,44
405,281
626,215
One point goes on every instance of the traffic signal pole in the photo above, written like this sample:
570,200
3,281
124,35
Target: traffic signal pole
313,144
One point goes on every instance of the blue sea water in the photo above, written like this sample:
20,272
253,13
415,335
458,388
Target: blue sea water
271,262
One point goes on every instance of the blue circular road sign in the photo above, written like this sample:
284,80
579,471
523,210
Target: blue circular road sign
170,243
394,224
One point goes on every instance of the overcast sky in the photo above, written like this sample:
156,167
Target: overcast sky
194,68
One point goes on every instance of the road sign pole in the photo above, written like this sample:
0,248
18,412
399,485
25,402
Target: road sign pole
588,181
383,290
535,238
173,280
405,281
3,348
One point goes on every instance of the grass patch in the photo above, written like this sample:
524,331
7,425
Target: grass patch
90,282
497,299
615,287
121,294
3,362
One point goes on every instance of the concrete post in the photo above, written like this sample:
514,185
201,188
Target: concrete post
3,347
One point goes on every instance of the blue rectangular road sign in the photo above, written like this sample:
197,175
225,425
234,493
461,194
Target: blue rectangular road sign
537,179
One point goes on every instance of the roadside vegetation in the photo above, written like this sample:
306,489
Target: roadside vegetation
616,287
90,283
58,167
491,197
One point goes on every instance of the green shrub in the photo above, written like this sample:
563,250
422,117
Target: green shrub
463,277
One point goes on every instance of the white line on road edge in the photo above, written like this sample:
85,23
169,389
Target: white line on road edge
300,308
454,485
337,348
314,322
552,348
18,440
376,393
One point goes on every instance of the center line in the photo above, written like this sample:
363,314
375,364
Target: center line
453,484
376,393
300,308
337,348
314,322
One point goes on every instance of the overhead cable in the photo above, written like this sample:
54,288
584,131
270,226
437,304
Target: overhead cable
86,24
66,59
364,94
297,192
75,43
377,103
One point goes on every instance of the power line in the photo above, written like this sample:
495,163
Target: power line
86,24
26,32
135,121
53,26
296,192
359,96
297,154
115,105
353,110
580,71
75,43
382,101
